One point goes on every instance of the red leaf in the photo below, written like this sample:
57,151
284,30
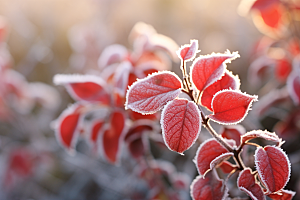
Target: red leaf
231,106
272,16
283,195
247,183
261,134
293,85
207,153
215,162
208,69
227,167
271,21
188,52
181,124
94,133
150,94
228,81
112,137
84,87
273,167
233,132
136,116
283,69
67,127
210,187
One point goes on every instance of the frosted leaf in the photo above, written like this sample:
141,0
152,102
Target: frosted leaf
208,69
247,183
112,136
67,127
210,187
228,81
273,167
283,195
181,124
150,94
231,106
84,87
207,153
188,52
261,134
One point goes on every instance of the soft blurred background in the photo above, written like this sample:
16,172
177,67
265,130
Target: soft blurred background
48,37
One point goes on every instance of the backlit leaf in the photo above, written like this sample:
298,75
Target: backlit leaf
273,167
231,106
228,81
112,137
210,187
84,87
247,183
207,152
208,69
181,124
150,94
261,134
188,52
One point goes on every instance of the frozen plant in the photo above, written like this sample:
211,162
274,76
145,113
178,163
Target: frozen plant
209,84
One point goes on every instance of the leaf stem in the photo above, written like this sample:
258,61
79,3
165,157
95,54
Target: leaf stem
216,136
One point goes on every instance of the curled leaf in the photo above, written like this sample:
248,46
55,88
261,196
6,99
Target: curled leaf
67,127
233,132
261,134
181,124
112,137
188,52
210,187
283,195
228,81
207,153
84,87
208,69
247,183
231,106
150,94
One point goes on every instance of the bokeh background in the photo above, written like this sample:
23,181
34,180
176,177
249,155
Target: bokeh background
48,37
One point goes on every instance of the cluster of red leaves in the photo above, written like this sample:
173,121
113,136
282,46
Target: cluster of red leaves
211,85
98,114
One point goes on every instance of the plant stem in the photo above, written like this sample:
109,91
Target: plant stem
217,136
